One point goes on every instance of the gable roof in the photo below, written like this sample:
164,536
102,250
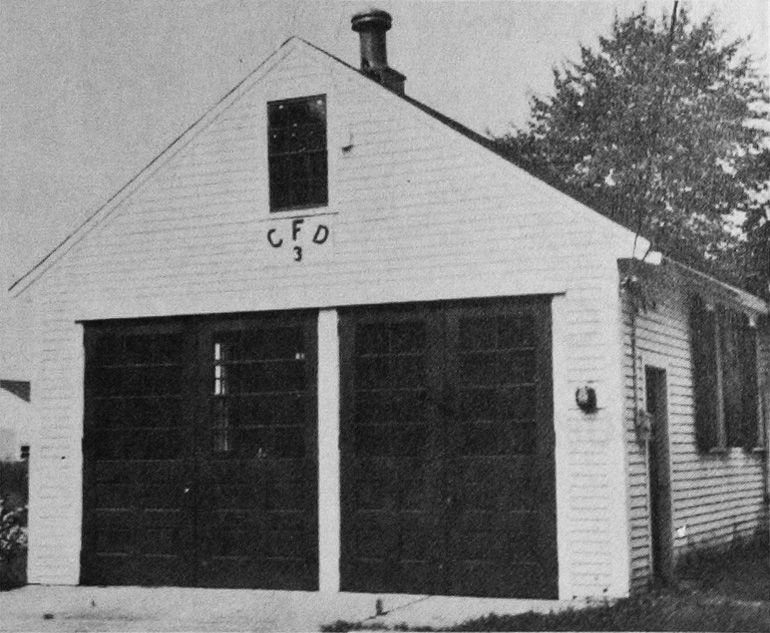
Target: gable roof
582,197
101,213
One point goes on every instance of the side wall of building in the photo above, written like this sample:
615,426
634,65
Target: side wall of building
715,497
417,212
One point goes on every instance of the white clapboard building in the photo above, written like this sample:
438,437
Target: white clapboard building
330,340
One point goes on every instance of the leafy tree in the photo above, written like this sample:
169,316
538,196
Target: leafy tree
661,129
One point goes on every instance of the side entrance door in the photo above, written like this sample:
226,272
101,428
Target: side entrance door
661,522
200,452
448,472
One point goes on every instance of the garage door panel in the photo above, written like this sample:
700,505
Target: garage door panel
417,537
419,485
375,440
491,579
161,411
287,490
237,534
418,573
447,431
236,496
370,544
466,521
486,544
233,572
112,496
168,495
261,392
375,486
523,540
201,432
161,535
287,545
116,536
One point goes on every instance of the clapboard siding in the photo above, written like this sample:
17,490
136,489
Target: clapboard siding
715,498
416,212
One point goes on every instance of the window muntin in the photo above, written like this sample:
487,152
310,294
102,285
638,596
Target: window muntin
297,153
724,362
259,380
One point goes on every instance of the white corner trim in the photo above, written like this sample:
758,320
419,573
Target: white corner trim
329,514
615,403
559,355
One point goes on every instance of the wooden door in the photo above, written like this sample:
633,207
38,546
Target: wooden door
447,450
200,453
392,481
661,522
257,455
138,446
501,510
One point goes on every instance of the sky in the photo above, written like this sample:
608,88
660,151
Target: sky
93,90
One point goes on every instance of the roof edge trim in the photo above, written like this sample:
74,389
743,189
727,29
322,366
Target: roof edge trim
738,295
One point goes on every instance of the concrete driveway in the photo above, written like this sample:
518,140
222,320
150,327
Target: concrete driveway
56,608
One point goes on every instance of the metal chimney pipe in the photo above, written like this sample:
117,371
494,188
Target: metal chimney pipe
371,26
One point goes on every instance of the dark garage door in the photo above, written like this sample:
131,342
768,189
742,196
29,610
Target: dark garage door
447,436
200,453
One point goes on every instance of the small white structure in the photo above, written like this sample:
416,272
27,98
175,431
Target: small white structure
16,426
329,339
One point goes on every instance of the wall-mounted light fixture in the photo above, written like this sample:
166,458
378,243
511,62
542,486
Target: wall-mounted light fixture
585,397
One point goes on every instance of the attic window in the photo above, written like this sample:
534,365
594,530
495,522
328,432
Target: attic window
724,365
297,155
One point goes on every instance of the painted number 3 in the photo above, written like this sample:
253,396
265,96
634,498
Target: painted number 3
320,235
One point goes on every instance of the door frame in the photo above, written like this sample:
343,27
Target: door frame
659,470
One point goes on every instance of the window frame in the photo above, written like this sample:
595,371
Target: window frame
714,329
317,199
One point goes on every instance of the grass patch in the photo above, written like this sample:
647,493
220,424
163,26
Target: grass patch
742,572
724,591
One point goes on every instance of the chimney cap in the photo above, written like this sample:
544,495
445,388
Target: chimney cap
371,20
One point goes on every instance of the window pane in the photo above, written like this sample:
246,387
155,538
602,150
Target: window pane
297,153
